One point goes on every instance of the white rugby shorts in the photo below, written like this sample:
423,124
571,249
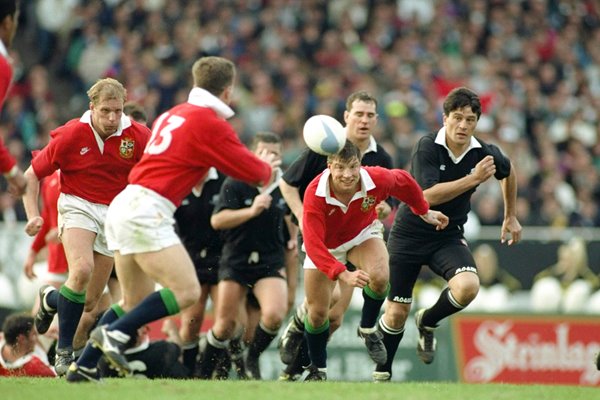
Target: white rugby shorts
375,230
139,220
75,212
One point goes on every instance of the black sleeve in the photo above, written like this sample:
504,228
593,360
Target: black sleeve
425,163
502,162
229,197
304,169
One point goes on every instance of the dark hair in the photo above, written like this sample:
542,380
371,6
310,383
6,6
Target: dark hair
347,153
135,112
265,137
8,8
213,74
462,97
361,95
15,325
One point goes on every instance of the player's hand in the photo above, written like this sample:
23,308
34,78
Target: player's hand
34,225
28,266
436,218
485,169
17,184
52,236
261,202
270,158
358,278
511,226
383,209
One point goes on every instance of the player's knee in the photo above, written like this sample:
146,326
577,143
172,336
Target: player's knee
317,317
396,315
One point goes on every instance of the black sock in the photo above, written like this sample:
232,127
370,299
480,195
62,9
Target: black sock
70,307
371,307
316,339
215,350
262,340
444,307
154,307
190,355
90,355
391,340
296,367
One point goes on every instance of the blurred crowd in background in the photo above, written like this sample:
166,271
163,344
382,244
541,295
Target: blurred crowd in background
535,64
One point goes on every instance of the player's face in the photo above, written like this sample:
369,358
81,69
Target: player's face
345,175
360,120
460,125
106,116
269,148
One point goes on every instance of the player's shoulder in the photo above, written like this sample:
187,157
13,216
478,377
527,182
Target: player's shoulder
69,130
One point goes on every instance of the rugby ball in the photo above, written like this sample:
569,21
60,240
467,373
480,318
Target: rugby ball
324,134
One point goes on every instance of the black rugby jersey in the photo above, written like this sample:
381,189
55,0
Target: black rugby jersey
263,234
201,241
431,164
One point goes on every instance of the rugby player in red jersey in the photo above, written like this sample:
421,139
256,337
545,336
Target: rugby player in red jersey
9,19
95,154
186,141
340,222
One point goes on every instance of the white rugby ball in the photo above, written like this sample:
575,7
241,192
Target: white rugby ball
324,134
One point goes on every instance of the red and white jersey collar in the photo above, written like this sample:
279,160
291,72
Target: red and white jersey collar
203,98
18,363
86,118
440,139
366,184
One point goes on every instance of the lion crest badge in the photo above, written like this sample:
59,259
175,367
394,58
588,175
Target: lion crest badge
126,148
367,204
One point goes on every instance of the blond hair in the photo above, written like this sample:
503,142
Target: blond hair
107,89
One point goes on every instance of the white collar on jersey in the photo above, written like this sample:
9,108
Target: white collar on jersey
203,98
440,139
366,184
372,146
86,118
3,50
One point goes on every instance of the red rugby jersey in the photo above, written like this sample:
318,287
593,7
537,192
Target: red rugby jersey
29,365
327,223
189,139
92,169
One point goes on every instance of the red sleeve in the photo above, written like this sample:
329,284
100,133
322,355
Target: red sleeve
7,162
43,164
313,233
406,189
231,157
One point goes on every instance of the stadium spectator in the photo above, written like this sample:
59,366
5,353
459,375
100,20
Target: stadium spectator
567,285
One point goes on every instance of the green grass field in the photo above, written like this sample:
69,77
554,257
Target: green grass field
133,389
